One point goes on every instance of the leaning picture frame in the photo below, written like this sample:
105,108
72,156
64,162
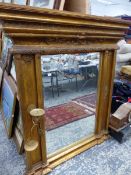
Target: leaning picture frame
43,3
8,103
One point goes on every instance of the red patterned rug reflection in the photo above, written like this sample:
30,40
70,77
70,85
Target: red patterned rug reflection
63,114
87,101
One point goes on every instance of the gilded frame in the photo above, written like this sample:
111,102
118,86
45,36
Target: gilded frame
38,31
101,133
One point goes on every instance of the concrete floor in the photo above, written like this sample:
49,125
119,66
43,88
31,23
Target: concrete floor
109,158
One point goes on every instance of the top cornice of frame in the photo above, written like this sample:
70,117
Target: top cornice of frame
17,21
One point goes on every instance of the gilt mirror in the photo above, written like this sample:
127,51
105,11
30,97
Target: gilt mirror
70,89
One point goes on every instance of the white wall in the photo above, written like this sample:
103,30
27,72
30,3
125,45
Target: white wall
110,7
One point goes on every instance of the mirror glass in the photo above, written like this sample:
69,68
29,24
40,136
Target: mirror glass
70,91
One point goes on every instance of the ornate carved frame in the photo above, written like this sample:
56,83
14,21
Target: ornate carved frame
39,31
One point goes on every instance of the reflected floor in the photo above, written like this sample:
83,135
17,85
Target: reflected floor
68,92
67,134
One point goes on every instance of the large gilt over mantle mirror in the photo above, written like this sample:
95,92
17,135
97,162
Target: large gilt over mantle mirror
49,39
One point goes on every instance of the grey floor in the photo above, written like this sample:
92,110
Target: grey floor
108,158
11,163
63,136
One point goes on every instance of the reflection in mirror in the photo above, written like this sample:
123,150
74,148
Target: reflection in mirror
70,90
7,43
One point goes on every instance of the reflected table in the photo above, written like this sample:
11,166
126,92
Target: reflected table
85,69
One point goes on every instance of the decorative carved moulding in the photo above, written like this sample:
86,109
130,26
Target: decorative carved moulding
41,26
64,49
